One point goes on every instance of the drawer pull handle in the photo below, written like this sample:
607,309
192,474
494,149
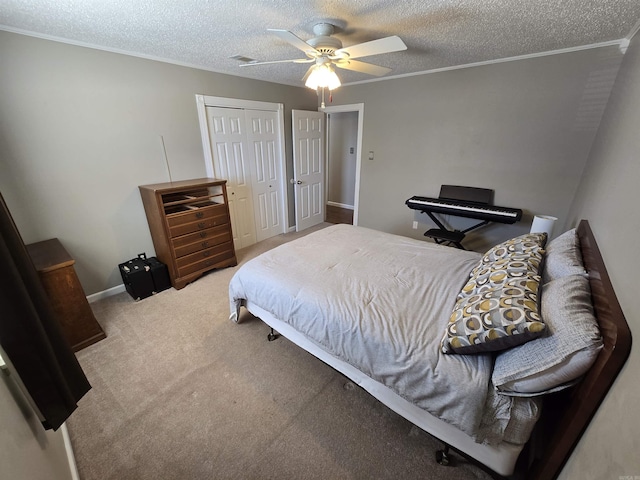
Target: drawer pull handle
208,263
205,244
199,214
206,254
201,225
203,234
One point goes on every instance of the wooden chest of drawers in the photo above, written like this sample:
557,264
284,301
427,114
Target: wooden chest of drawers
190,226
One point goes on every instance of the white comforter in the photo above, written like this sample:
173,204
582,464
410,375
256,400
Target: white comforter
381,302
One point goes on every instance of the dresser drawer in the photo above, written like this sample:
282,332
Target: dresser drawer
199,261
196,214
201,240
199,225
203,254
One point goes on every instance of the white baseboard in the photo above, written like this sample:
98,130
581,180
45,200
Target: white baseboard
341,205
73,468
109,292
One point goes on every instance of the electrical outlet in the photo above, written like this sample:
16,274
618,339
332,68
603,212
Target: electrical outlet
415,225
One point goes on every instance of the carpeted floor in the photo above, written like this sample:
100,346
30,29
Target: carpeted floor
181,392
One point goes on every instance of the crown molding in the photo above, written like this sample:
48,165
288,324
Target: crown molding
611,43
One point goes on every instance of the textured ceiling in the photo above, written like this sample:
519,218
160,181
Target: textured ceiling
438,33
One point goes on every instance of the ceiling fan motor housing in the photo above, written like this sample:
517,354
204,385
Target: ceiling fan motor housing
325,45
323,42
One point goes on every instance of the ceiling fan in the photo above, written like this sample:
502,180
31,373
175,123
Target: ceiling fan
325,52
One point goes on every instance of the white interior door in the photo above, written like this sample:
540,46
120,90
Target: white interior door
232,161
308,168
267,177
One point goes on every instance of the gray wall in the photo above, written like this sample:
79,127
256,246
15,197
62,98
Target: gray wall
81,130
27,451
608,197
522,128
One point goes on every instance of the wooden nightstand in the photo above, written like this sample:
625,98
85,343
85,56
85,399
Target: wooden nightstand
55,268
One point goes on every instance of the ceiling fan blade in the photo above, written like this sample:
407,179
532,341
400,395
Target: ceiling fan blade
374,47
362,67
296,60
289,37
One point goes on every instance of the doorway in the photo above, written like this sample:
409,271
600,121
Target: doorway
344,153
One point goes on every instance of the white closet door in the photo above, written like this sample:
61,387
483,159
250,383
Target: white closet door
263,138
232,161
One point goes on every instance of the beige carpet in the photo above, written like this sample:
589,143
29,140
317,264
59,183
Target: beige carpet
180,392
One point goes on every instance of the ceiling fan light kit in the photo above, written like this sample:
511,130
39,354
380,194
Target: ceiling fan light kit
323,76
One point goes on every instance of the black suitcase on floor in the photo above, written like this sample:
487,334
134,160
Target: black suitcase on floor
159,274
143,277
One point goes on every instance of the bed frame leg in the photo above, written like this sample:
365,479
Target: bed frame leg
442,456
272,336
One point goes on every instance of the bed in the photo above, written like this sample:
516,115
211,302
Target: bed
461,344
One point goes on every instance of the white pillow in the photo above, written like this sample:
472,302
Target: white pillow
564,353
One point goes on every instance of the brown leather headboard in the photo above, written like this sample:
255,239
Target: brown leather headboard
566,416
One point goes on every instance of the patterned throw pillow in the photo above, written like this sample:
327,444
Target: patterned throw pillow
496,273
495,318
524,244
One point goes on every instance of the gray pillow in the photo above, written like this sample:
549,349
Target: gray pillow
565,351
563,257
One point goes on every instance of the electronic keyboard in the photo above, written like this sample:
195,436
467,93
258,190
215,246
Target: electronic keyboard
467,209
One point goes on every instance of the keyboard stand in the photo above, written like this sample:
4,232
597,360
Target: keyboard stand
446,237
442,236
